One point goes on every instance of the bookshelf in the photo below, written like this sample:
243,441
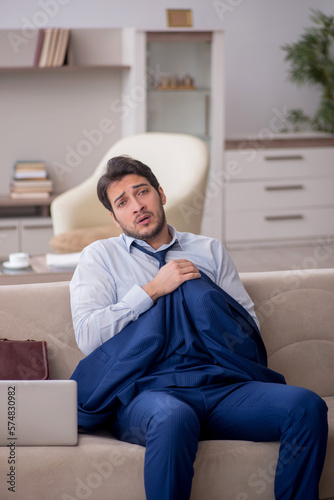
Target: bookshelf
84,48
104,77
62,105
39,207
94,58
53,113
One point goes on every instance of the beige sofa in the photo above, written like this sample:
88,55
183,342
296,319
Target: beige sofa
296,311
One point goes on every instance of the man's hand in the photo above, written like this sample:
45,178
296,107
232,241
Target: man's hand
170,277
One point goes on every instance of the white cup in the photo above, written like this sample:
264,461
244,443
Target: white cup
19,259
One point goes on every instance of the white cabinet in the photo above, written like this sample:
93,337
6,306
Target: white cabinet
30,235
35,234
279,196
25,225
185,95
9,236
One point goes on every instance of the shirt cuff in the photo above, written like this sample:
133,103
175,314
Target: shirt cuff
138,300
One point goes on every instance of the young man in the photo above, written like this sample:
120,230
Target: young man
205,375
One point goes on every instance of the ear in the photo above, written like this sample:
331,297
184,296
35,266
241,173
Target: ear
162,195
115,221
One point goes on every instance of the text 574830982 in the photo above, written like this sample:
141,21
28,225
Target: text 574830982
11,475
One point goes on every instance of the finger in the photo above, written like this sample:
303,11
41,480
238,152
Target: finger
190,276
183,262
180,261
189,267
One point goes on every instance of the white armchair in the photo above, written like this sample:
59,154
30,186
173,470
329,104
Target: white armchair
180,163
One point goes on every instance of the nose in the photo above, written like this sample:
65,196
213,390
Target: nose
137,206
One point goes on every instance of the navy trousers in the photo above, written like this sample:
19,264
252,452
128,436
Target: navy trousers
170,423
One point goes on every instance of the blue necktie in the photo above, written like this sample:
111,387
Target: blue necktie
160,256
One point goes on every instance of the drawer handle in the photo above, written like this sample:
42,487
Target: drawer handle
283,157
8,228
291,187
38,227
283,217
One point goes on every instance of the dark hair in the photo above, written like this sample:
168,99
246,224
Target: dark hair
117,168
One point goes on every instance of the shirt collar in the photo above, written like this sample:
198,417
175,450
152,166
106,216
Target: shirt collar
129,239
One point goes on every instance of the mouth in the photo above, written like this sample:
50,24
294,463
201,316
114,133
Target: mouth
143,219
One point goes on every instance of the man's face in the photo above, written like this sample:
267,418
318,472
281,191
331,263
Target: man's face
138,207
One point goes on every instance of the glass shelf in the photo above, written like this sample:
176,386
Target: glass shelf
170,91
179,110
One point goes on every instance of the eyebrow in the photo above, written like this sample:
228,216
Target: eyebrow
133,187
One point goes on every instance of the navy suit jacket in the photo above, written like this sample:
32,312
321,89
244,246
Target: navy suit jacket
196,336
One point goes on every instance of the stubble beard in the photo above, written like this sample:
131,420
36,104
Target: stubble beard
150,234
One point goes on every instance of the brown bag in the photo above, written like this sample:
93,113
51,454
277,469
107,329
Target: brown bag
24,360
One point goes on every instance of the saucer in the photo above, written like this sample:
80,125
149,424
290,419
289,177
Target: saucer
12,265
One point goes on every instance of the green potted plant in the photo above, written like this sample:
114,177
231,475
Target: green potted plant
312,63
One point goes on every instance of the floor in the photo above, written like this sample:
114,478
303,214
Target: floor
317,256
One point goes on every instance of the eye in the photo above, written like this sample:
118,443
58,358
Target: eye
121,204
143,191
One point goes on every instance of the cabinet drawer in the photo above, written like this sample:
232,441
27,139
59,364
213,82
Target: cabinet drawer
35,235
277,194
255,164
246,226
9,236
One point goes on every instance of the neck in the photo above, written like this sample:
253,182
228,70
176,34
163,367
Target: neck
160,239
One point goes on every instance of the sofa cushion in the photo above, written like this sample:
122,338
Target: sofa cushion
42,312
296,315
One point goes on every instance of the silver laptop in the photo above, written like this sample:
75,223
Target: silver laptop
38,413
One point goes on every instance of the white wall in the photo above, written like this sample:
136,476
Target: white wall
256,83
255,72
44,116
257,88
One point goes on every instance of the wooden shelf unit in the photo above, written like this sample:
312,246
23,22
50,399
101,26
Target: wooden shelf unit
17,205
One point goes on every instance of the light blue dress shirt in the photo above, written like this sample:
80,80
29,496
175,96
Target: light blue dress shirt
106,291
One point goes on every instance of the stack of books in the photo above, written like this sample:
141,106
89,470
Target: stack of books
30,180
51,47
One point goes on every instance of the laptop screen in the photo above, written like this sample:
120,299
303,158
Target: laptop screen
38,413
